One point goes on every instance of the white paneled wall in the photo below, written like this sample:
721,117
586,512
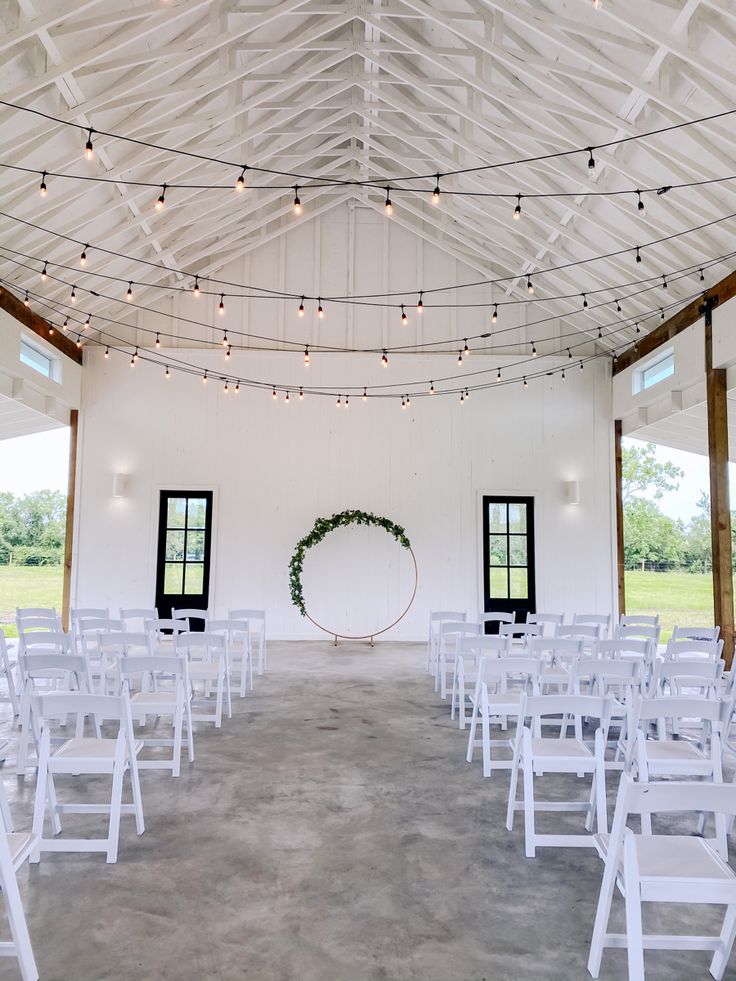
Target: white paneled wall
275,468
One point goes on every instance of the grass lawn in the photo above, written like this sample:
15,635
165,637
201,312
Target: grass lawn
681,598
28,585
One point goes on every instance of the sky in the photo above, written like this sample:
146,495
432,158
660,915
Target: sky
36,462
682,503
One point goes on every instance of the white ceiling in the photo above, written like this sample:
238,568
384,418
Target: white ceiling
369,90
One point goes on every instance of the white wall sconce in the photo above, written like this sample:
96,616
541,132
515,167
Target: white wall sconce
120,485
572,491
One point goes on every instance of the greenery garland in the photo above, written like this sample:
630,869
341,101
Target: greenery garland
322,527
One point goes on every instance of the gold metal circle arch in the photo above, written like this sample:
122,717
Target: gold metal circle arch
376,633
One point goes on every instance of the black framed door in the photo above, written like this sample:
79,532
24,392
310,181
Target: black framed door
509,580
183,555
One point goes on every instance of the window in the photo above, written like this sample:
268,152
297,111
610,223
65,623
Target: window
654,371
37,359
183,567
508,555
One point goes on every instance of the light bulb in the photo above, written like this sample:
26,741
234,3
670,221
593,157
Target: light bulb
306,356
420,304
498,375
404,318
167,374
384,359
466,349
83,256
129,294
301,394
286,398
431,388
494,316
89,150
365,395
240,183
462,398
73,297
273,394
237,388
529,285
638,254
640,203
388,207
320,311
517,209
297,202
225,342
227,353
436,192
26,300
591,159
585,301
161,201
221,307
45,266
204,378
195,290
158,341
42,186
459,357
534,350
107,352
525,384
226,388
300,311
338,403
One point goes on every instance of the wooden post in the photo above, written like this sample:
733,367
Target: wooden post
69,533
720,508
619,520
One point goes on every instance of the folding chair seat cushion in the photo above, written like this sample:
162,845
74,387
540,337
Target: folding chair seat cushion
152,700
554,748
675,857
88,749
673,749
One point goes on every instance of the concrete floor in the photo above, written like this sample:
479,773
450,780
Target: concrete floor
331,831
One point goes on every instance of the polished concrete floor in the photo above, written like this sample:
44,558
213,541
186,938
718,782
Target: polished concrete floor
331,831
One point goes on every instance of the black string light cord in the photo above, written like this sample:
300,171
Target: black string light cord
362,298
655,283
242,168
205,373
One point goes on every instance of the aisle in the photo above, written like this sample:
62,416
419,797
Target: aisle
329,832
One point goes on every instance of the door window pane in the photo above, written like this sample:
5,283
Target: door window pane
497,518
499,550
194,579
173,578
519,587
174,546
195,546
176,512
197,512
517,518
517,550
499,583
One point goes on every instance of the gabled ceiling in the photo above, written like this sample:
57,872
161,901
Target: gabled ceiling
368,90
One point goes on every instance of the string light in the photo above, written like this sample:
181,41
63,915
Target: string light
529,285
404,318
638,254
27,301
42,190
204,377
158,340
161,201
306,356
525,382
581,365
301,394
83,256
420,303
467,395
226,388
388,207
664,282
403,402
73,296
240,186
320,311
466,349
273,394
462,398
107,352
436,192
297,202
591,159
618,307
563,374
661,313
286,397
347,402
300,311
135,354
339,402
498,375
365,395
195,290
638,328
87,322
227,353
129,294
221,308
79,340
132,360
89,150
534,350
702,277
65,324
167,373
585,301
517,209
384,359
408,401
237,388
45,267
459,357
494,315
431,388
225,342
569,354
640,203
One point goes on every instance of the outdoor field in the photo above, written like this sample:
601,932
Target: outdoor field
679,597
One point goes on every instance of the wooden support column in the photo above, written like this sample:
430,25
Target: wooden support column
720,508
69,533
619,521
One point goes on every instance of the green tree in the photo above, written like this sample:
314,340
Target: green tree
650,536
643,475
32,527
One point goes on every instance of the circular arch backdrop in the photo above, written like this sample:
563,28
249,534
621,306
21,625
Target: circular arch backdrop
322,527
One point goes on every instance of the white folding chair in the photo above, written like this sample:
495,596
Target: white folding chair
687,676
602,620
159,686
239,655
8,668
494,617
191,614
544,620
135,617
467,658
634,631
163,633
501,688
90,632
450,632
626,649
665,868
436,617
15,849
257,619
638,620
86,755
34,631
45,671
519,635
562,754
621,680
557,654
683,647
207,664
696,633
588,633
